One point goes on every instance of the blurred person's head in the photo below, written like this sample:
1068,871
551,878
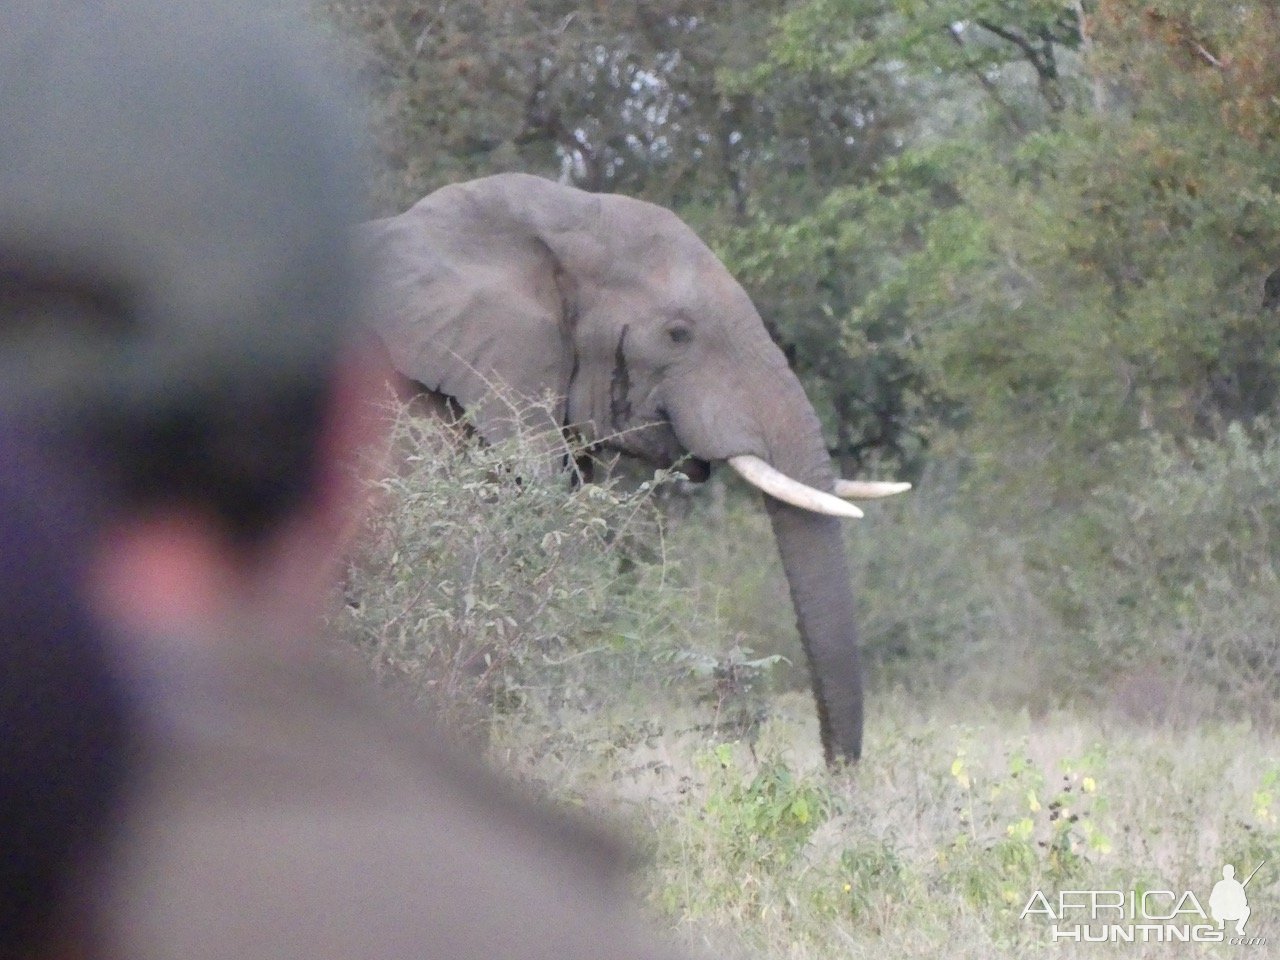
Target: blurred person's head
176,293
176,299
64,712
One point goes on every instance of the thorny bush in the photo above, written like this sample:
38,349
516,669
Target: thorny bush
490,576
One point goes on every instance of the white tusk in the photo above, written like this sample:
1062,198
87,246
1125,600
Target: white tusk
868,489
781,487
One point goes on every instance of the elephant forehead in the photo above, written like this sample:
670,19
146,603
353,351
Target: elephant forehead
673,274
679,277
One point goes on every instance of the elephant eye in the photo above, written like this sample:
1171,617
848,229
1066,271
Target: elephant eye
679,334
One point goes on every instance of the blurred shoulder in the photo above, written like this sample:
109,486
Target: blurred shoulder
297,811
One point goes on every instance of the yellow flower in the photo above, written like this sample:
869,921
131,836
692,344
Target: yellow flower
1089,784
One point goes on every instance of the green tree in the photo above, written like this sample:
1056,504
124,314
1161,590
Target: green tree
1067,248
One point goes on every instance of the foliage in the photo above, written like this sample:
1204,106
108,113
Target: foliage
631,96
511,612
763,822
1175,564
1072,274
1128,298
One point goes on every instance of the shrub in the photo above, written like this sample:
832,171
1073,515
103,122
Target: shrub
487,579
1176,565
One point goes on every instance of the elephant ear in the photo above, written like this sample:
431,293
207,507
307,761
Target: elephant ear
470,301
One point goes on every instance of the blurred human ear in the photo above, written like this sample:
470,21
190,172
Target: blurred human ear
168,573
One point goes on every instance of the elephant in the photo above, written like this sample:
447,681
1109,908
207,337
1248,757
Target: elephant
614,308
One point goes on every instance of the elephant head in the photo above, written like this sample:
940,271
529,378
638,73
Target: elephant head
614,308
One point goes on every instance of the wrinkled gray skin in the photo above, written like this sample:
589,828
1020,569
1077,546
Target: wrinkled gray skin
615,306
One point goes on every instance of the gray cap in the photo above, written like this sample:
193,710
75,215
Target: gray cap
176,183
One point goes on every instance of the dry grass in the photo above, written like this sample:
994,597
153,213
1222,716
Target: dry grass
934,844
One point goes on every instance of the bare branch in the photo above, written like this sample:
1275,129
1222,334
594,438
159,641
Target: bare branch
987,83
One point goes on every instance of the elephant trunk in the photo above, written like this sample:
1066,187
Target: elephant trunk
813,556
812,549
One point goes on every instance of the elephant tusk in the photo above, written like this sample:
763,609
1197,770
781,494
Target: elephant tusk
781,487
868,489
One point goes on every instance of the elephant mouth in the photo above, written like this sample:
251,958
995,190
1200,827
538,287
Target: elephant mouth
657,442
695,468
